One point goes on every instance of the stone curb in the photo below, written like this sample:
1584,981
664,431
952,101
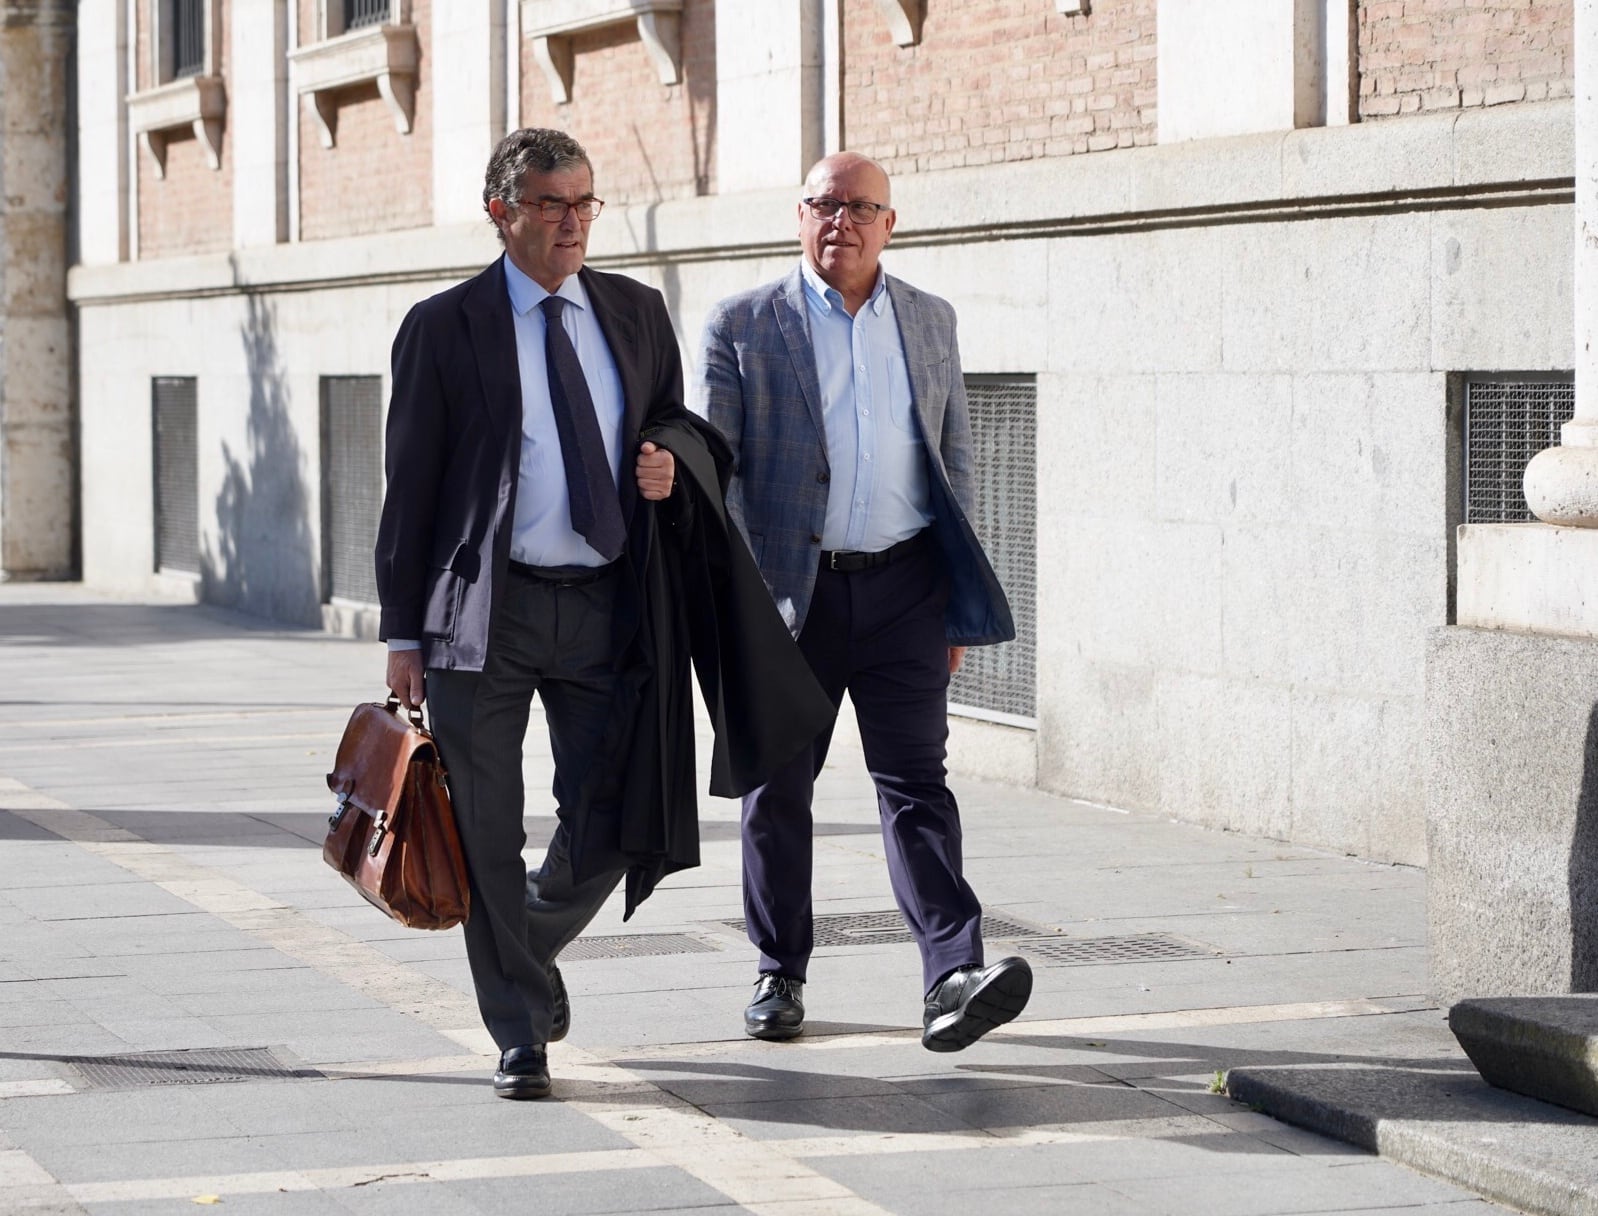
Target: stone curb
1443,1121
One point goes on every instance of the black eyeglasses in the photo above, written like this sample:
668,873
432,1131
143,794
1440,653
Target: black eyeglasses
553,210
860,211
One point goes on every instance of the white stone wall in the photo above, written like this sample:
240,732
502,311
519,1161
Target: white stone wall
1243,434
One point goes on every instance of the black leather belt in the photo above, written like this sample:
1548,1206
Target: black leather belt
562,576
846,561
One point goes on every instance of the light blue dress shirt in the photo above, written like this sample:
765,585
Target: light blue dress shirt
541,534
878,494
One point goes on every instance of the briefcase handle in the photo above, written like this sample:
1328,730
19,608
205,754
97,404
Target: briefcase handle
413,713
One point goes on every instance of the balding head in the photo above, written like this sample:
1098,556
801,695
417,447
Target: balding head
845,223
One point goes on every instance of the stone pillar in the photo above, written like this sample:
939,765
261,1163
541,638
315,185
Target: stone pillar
1562,482
769,111
258,115
38,456
467,81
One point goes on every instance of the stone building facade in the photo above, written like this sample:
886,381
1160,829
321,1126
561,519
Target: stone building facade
1223,273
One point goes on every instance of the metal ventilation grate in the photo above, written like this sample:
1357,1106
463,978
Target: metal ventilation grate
1137,948
639,945
1000,682
1508,420
175,423
207,1066
352,485
886,928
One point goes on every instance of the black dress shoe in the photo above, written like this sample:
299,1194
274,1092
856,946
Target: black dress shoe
972,1001
777,1010
523,1073
563,1006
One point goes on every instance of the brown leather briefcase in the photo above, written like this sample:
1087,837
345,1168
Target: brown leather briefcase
393,833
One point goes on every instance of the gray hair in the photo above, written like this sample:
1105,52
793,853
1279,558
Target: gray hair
536,149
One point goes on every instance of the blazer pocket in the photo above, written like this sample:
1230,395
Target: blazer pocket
454,565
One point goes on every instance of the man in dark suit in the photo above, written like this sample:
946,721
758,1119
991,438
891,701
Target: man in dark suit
514,469
839,389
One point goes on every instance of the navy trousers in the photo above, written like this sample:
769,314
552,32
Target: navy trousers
879,635
555,641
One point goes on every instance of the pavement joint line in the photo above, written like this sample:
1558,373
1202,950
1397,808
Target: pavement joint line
721,1157
234,715
345,1176
209,741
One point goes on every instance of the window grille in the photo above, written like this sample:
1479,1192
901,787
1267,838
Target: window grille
999,683
188,37
365,12
175,423
352,485
1508,420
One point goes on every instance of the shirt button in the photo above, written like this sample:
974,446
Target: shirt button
865,413
867,456
860,367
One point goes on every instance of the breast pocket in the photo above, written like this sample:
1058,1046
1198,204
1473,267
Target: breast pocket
901,405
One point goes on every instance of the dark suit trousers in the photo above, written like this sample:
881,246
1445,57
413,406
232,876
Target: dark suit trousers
879,634
555,641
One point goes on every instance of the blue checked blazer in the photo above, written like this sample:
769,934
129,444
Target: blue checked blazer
757,384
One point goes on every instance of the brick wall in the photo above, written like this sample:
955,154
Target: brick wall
1419,55
998,80
190,210
373,179
648,141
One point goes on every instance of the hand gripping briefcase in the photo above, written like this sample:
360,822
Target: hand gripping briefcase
393,833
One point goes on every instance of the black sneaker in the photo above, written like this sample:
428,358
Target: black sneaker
777,1010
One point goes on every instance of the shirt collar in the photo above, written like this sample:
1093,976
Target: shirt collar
526,295
829,297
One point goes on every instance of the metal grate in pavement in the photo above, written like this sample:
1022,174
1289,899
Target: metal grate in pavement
886,928
1135,948
636,945
200,1066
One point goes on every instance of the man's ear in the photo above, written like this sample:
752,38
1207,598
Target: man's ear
497,211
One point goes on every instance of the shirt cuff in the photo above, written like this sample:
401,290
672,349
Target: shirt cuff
403,644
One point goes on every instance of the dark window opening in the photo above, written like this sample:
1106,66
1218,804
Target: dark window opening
352,485
364,12
174,401
188,37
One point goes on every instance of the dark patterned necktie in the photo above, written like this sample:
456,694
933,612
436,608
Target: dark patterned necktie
590,488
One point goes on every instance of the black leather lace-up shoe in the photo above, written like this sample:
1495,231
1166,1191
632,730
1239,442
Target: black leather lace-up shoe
563,1006
972,1001
777,1010
523,1072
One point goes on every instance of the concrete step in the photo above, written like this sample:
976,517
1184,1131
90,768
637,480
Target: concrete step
1544,1047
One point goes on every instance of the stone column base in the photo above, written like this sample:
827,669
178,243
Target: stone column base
1512,814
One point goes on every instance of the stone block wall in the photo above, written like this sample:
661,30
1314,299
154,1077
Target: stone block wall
1417,55
648,141
373,179
998,80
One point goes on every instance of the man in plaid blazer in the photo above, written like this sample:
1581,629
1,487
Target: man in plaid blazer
839,390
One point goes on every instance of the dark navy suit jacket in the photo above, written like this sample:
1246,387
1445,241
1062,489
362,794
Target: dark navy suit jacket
453,450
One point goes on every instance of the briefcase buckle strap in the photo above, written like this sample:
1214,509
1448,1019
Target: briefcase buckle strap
379,830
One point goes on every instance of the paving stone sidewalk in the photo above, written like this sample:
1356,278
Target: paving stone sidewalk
161,891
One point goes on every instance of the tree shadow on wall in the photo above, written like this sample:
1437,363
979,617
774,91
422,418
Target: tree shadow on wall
1583,872
264,561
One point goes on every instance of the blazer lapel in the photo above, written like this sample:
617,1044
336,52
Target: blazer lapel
789,305
907,312
493,337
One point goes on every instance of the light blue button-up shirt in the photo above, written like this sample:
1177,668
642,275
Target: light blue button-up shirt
541,534
878,494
